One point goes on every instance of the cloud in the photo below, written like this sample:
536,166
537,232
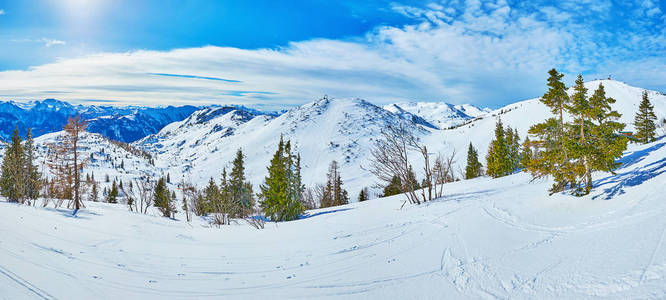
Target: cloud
2,12
488,54
51,42
193,77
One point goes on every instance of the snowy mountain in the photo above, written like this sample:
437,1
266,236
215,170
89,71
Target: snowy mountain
521,115
125,124
484,239
200,146
440,114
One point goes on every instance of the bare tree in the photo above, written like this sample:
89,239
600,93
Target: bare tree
390,158
190,198
144,195
65,162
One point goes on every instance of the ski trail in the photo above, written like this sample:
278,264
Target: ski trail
656,248
24,283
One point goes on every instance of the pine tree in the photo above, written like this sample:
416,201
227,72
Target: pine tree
644,121
161,198
12,181
557,100
498,159
334,194
33,180
526,154
589,143
552,158
363,195
607,144
411,179
279,198
473,168
94,193
212,197
514,149
240,188
112,197
579,146
394,187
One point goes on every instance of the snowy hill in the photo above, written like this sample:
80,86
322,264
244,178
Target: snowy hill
521,115
325,130
118,161
126,124
443,115
345,130
484,239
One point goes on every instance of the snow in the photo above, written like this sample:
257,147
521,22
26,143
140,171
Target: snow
345,130
443,115
485,238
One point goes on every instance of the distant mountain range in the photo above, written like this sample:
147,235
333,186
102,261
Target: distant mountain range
126,124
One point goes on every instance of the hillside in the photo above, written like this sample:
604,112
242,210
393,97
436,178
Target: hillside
325,130
442,115
118,161
521,115
345,130
485,239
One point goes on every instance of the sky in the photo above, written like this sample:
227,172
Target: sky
276,54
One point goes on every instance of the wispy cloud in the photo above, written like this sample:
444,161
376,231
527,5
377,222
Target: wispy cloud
193,77
486,53
51,42
2,12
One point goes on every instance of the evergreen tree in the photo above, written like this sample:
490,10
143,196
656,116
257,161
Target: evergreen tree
363,195
411,177
240,189
606,143
161,198
557,100
644,121
473,168
514,148
526,154
112,196
498,160
587,144
212,196
12,180
552,158
334,194
394,187
33,181
168,178
579,146
279,200
94,192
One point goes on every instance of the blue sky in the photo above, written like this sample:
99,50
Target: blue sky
282,53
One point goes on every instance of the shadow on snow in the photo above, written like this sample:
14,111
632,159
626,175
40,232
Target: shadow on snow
615,184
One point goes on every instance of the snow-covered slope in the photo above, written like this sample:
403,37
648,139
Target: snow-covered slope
325,130
521,115
485,239
345,130
443,115
103,158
